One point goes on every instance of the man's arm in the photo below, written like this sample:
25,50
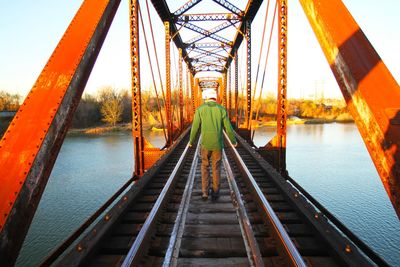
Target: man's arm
228,128
195,127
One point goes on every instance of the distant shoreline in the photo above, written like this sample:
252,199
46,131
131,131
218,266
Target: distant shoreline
127,127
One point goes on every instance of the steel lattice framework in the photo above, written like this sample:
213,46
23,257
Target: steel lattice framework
208,39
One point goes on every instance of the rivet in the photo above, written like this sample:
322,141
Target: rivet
79,248
94,231
316,216
5,215
10,203
296,195
125,198
347,248
107,217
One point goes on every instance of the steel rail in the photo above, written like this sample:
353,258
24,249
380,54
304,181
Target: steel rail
288,246
176,236
132,258
252,248
339,225
67,242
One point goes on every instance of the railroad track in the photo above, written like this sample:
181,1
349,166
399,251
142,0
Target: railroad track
259,220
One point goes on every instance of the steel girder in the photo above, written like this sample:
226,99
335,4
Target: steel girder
249,14
206,33
180,90
229,6
168,109
29,148
185,20
137,129
371,93
206,45
208,17
188,5
165,15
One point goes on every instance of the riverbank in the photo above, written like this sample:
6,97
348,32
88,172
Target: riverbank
127,127
102,130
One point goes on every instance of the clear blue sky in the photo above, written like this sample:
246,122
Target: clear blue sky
30,30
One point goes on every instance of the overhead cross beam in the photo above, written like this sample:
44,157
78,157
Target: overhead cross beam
207,33
249,14
202,53
188,5
165,15
229,6
208,17
207,45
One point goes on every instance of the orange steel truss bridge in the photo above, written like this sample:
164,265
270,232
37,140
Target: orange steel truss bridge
266,201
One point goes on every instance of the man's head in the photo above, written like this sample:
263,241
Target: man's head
209,94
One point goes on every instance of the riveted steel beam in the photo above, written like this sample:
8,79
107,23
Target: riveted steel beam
371,93
282,85
192,46
207,33
31,144
137,129
187,6
165,15
248,74
250,12
229,6
208,17
168,110
236,90
180,90
224,90
209,53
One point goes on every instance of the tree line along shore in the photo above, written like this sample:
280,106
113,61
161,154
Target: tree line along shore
110,110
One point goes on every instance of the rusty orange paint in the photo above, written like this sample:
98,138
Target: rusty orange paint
371,92
23,139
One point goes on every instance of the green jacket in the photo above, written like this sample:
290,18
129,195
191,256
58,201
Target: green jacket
211,117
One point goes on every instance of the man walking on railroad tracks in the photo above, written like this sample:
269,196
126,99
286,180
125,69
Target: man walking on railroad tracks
211,117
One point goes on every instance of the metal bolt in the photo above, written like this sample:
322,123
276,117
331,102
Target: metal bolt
107,217
316,216
347,248
296,195
79,248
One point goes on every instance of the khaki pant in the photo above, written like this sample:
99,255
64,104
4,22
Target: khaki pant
216,169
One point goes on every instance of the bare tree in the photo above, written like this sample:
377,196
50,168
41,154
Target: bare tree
111,106
9,102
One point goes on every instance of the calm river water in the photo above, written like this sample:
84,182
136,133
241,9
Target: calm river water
329,160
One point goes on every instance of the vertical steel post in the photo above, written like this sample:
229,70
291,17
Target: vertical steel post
192,87
168,83
371,93
187,102
229,92
137,130
180,89
236,90
248,78
282,85
224,88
